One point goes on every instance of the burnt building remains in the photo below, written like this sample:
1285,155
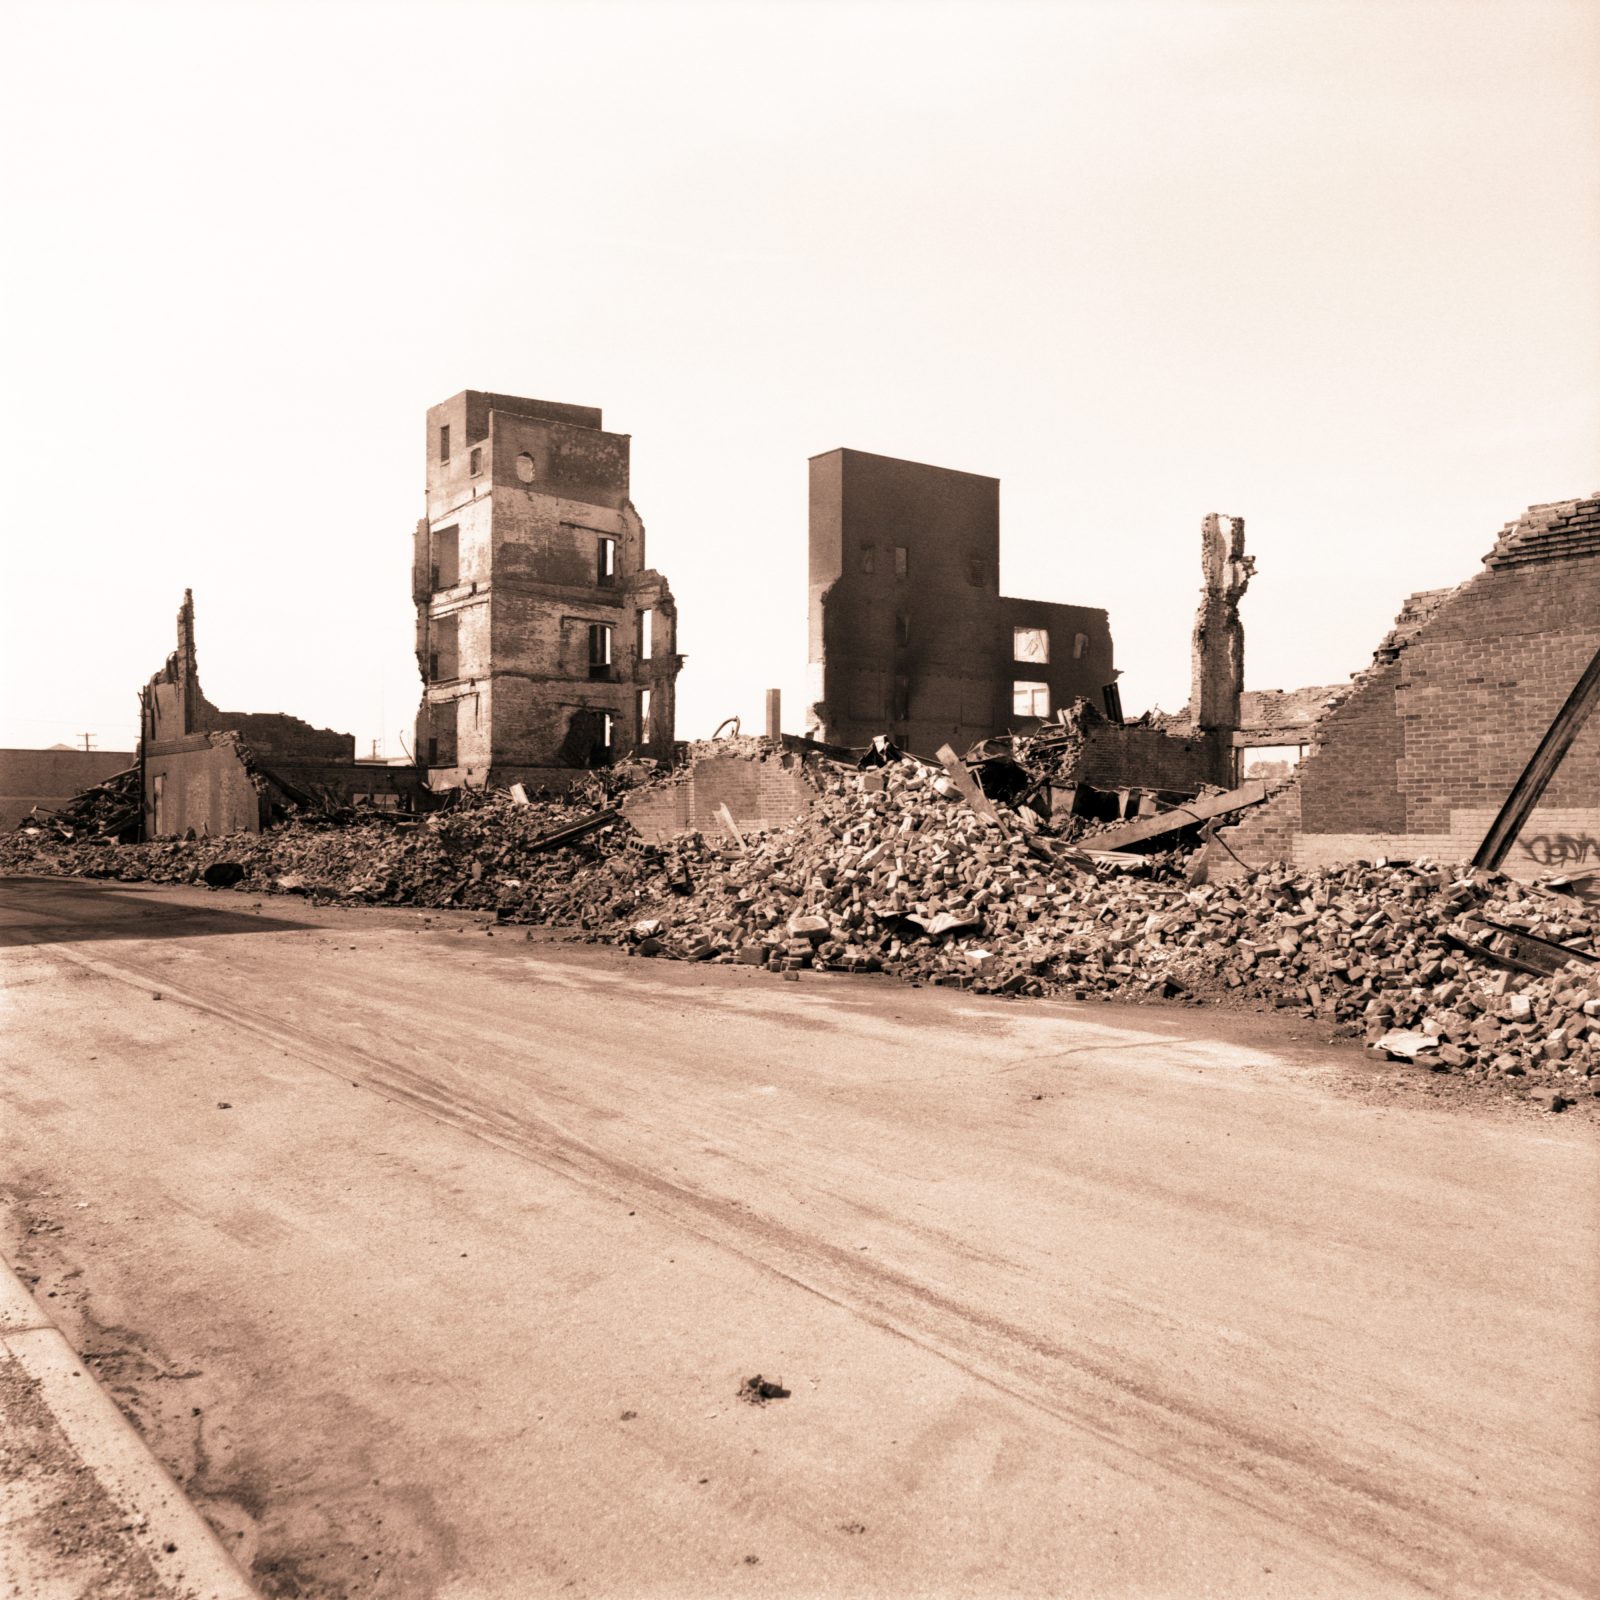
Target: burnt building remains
545,642
210,772
909,633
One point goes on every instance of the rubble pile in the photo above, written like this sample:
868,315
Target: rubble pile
110,809
485,853
888,872
906,868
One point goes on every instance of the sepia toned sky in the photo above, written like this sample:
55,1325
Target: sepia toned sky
1333,267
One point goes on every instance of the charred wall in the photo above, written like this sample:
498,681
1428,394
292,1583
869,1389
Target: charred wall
909,634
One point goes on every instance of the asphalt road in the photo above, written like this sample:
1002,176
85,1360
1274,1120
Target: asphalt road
433,1262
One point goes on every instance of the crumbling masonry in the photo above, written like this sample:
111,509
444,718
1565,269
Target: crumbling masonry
1423,747
211,772
545,643
1218,671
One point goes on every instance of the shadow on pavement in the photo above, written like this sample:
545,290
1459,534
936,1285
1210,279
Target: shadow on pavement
39,911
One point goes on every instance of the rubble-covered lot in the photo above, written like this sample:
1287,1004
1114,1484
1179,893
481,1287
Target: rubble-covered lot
892,871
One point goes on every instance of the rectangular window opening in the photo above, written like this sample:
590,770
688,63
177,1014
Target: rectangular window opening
444,443
900,561
1031,644
475,460
646,634
443,640
1030,699
599,649
644,716
442,719
606,561
902,628
869,559
1080,644
446,557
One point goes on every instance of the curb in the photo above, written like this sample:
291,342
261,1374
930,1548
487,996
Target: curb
156,1514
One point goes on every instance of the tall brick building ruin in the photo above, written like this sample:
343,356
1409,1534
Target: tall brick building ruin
1425,745
909,633
544,641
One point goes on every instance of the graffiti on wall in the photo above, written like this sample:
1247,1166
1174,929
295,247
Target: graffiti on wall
1562,849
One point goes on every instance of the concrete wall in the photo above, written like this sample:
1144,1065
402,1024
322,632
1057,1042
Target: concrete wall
49,778
919,646
199,783
1423,752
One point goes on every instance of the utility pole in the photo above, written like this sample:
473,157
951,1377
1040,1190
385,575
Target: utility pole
86,737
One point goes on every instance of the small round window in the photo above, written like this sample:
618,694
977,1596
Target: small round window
525,467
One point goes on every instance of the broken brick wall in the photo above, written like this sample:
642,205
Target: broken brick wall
1424,750
1128,756
1080,662
761,793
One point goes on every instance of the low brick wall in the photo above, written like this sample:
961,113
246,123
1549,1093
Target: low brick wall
760,792
1118,757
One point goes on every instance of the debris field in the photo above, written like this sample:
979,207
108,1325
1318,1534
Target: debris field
910,869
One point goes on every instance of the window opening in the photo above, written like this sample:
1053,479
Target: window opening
899,561
444,442
525,467
475,460
644,716
1030,699
869,558
902,628
443,663
606,561
446,557
646,634
442,734
1031,644
1080,643
600,650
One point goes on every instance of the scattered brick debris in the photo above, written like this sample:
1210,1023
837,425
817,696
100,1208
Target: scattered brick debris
890,870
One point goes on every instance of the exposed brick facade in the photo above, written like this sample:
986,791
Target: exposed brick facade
530,551
1427,744
1135,757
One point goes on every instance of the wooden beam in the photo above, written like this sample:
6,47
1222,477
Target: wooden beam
965,784
1541,769
1199,809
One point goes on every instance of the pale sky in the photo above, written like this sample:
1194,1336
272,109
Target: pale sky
1334,268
